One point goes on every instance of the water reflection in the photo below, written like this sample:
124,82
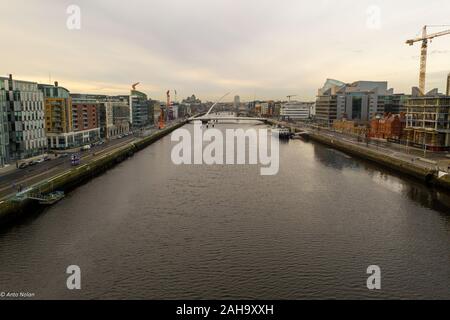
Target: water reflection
426,196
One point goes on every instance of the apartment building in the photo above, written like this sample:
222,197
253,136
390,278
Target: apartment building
58,116
85,120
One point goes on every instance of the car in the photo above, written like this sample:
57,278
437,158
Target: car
23,165
47,158
64,155
32,163
40,160
86,147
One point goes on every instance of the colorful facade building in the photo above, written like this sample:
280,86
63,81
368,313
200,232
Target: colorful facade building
58,116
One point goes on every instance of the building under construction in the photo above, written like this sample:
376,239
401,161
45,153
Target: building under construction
427,122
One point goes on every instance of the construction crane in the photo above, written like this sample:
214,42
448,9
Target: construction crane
423,56
291,96
162,115
135,85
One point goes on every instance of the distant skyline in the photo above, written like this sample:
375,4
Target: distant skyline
252,48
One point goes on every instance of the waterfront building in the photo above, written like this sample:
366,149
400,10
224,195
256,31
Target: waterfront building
296,110
24,104
141,110
114,116
58,116
428,123
390,126
326,102
359,101
85,119
362,100
350,127
4,134
396,103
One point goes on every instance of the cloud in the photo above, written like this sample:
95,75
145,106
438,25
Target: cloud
262,48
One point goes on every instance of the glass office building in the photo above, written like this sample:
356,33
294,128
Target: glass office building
25,117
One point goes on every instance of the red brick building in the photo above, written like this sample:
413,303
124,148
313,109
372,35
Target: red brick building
84,116
391,126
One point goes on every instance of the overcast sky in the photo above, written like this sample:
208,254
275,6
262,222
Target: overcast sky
266,49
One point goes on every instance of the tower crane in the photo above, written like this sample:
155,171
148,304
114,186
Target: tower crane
135,85
423,56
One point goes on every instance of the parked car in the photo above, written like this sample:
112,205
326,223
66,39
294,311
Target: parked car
86,147
64,155
23,165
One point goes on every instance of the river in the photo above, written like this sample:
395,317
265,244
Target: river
148,229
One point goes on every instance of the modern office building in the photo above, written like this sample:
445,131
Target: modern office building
114,116
25,109
396,103
362,100
296,110
428,122
359,101
326,102
141,110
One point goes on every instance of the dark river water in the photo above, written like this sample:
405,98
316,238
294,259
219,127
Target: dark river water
149,229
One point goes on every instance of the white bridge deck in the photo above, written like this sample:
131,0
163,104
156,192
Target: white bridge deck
226,118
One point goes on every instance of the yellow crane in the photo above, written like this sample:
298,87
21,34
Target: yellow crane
423,56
